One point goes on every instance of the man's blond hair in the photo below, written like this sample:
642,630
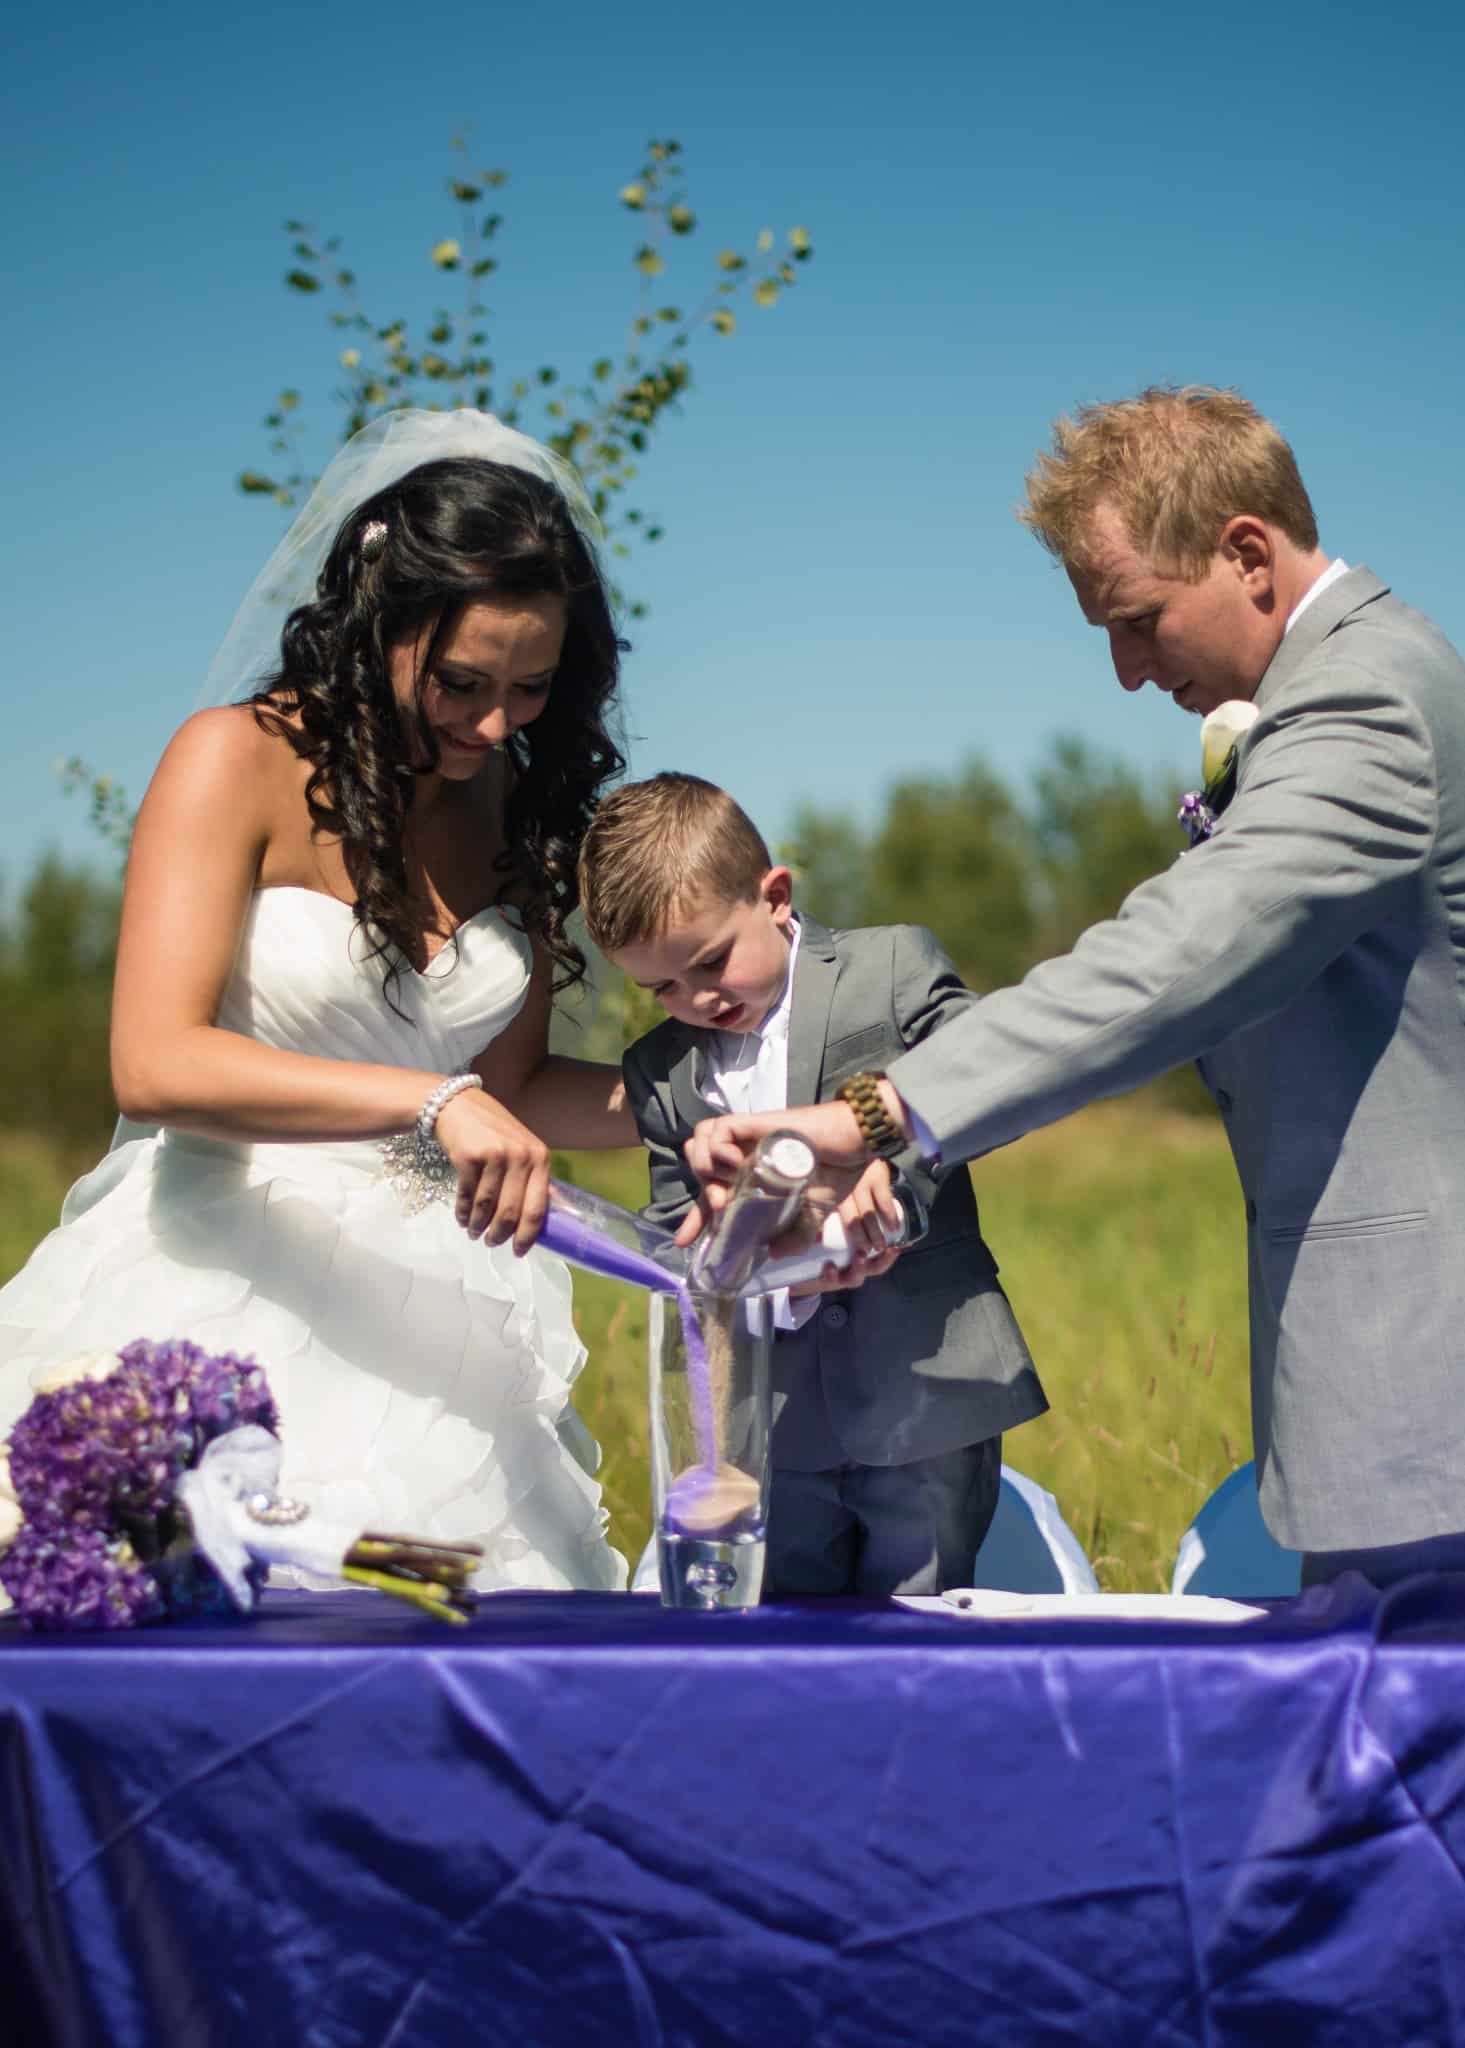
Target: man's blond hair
657,848
1176,464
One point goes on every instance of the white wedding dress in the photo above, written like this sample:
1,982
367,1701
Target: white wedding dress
423,1379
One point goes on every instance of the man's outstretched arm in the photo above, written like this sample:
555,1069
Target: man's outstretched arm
1336,817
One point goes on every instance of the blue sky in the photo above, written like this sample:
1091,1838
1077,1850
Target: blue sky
1010,214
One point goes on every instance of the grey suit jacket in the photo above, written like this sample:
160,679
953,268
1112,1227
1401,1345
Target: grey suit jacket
1312,955
927,1357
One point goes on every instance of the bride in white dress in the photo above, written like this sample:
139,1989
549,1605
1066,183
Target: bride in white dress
344,913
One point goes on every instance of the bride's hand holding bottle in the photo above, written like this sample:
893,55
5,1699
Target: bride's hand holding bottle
502,1168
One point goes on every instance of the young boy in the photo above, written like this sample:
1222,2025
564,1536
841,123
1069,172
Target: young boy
889,1400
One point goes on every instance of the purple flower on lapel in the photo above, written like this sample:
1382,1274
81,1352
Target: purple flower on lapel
1196,815
1220,735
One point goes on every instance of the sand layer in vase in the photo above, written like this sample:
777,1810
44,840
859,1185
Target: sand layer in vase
701,1501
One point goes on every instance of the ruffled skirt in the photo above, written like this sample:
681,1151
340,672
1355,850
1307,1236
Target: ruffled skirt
423,1379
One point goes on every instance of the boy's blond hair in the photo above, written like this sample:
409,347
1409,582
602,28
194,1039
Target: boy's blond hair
1176,464
654,848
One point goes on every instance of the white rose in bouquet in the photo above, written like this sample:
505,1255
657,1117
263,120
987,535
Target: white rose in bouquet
10,1516
87,1365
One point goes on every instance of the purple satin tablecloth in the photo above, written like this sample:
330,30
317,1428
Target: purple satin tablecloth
587,1821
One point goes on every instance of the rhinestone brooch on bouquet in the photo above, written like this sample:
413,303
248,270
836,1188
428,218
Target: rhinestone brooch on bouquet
275,1510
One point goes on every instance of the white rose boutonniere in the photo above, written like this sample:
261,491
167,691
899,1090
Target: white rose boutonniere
1220,735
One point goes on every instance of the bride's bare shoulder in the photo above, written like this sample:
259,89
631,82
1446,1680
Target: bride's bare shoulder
224,773
227,742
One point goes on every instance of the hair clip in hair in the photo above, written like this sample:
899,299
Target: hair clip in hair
373,539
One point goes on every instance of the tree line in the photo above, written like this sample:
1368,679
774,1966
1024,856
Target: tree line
58,944
1005,879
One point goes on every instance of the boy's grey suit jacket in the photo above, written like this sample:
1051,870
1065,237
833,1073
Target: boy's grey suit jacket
1313,954
927,1357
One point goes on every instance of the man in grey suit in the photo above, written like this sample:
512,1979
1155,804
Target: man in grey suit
1309,953
889,1403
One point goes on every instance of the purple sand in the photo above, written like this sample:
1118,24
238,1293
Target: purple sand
574,1239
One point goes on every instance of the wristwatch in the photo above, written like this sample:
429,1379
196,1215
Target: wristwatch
882,1135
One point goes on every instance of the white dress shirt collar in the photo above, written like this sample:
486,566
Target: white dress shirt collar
1334,570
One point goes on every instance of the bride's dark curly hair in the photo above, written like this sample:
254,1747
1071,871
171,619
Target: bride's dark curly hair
456,531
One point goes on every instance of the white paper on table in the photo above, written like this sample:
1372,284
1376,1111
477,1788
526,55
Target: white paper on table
983,1603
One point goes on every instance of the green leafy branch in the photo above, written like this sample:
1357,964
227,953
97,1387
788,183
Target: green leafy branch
108,810
604,421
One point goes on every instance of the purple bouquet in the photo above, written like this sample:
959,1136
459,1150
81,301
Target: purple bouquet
143,1486
94,1468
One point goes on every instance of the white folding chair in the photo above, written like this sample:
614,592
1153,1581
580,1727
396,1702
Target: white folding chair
1030,1548
1228,1549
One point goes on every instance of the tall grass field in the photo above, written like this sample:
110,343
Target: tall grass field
1122,1245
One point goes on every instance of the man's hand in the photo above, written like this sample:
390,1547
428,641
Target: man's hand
859,1185
720,1144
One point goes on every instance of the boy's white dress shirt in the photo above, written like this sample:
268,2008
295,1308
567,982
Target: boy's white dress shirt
746,1071
743,1072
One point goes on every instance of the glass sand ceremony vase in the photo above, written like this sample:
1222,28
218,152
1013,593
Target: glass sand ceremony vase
710,1417
710,1353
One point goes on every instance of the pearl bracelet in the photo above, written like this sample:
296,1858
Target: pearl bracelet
414,1162
438,1101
